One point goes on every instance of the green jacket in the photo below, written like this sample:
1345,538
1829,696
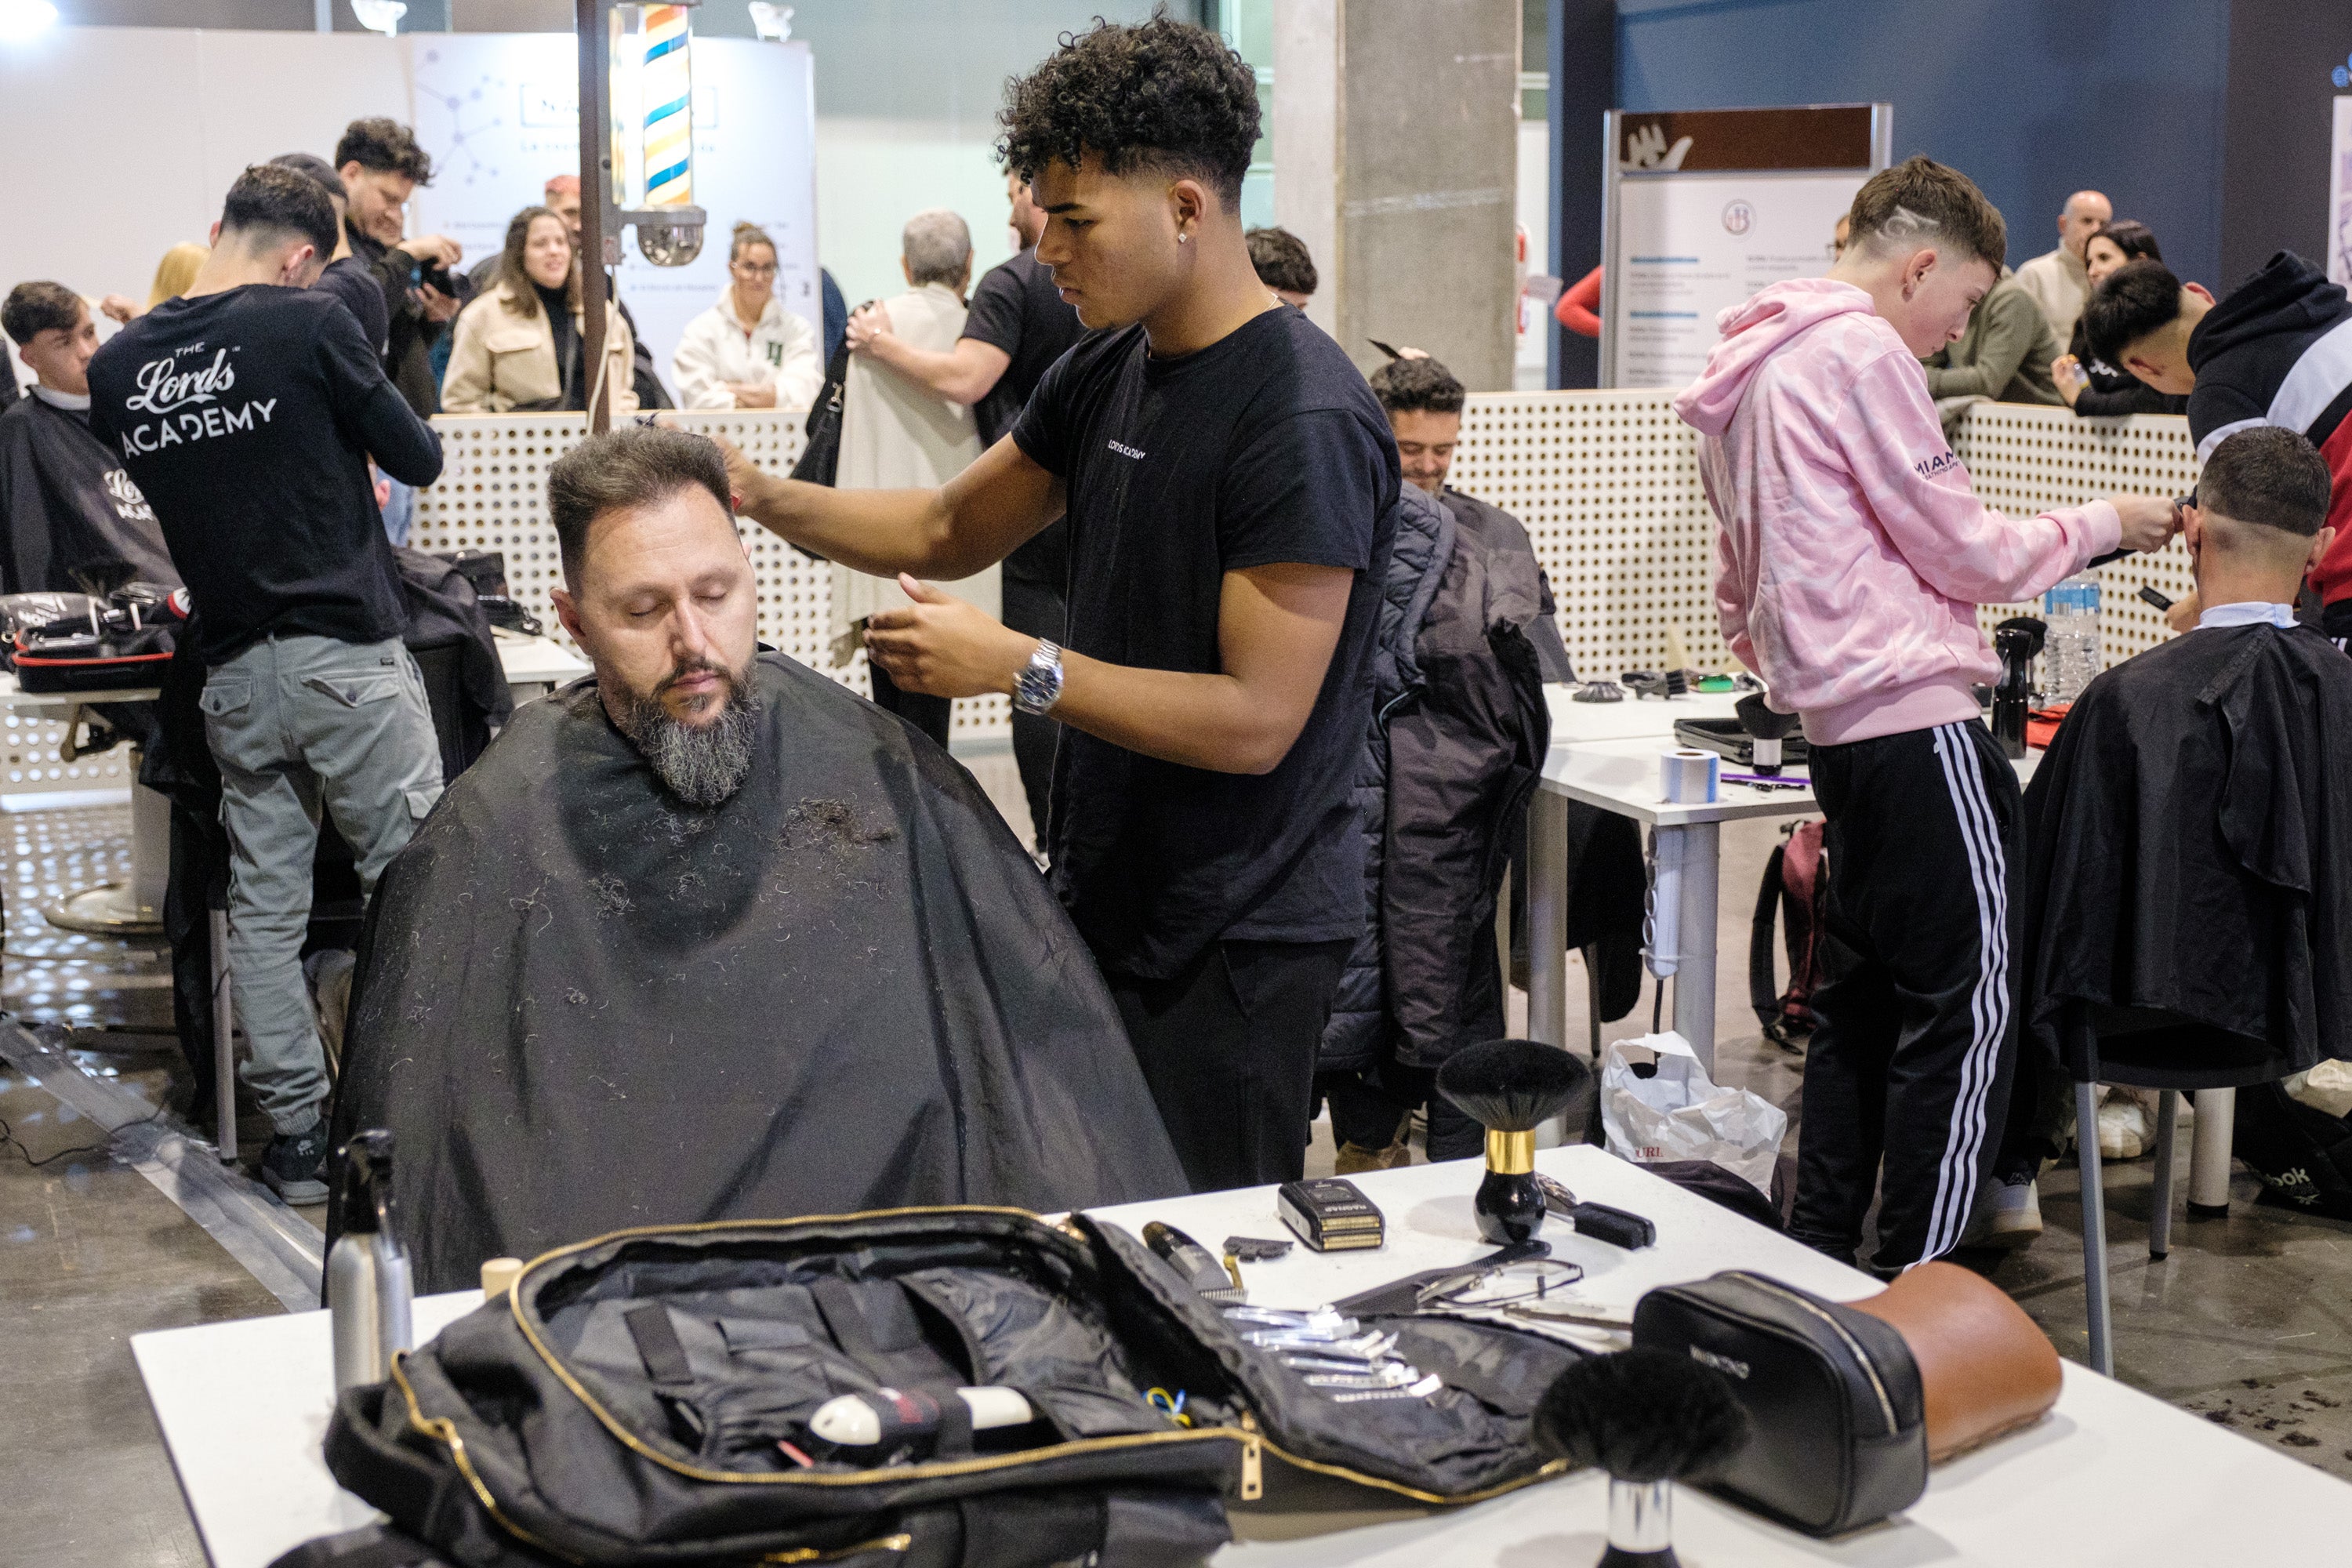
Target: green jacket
2005,354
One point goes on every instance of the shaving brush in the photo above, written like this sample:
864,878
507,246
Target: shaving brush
1510,1085
1649,1418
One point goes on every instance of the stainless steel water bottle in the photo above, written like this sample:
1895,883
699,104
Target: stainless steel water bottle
368,1283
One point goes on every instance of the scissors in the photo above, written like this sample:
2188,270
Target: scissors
1168,1405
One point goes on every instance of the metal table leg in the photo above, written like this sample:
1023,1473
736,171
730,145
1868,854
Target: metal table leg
135,909
1548,917
1689,861
223,1041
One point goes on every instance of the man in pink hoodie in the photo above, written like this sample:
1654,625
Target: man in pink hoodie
1851,556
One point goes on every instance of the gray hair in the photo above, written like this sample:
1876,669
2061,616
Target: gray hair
938,247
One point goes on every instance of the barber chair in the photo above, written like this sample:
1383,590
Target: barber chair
2147,1048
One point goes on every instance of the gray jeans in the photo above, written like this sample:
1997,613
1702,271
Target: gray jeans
297,724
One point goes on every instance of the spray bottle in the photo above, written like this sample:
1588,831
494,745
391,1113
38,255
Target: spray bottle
368,1282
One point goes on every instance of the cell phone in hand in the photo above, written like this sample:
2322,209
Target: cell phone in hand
2161,602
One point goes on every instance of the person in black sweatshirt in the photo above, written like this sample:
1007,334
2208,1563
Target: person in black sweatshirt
2092,387
246,411
2276,351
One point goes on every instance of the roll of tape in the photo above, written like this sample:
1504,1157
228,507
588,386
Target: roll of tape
1688,777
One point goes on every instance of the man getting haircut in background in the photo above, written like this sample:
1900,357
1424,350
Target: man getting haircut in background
246,410
1852,555
1230,484
65,501
2277,351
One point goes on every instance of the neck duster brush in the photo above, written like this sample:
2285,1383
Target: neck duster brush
1649,1418
1509,1087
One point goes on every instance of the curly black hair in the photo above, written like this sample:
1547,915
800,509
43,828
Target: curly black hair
1407,385
1162,93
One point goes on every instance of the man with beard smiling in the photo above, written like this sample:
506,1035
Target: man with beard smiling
706,936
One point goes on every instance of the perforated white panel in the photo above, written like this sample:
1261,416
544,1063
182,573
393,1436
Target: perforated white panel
1607,484
493,495
30,766
2025,459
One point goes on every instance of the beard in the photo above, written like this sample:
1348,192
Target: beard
703,764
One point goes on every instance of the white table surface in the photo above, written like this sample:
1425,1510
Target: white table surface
528,661
1574,723
2112,1478
536,660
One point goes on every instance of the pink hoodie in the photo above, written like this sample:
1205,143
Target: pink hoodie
1853,550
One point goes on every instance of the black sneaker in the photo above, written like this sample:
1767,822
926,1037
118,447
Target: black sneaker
295,1164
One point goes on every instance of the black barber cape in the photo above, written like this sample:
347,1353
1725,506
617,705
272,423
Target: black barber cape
581,1005
67,504
2189,841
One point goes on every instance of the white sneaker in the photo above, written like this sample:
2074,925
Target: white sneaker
2004,1216
2124,1131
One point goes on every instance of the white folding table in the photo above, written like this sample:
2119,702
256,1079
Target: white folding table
2113,1477
1606,756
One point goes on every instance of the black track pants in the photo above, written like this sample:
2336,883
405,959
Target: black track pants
1907,1076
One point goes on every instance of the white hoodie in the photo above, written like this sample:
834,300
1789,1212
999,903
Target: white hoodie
717,350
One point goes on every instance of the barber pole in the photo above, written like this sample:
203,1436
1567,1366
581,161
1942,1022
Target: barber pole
667,92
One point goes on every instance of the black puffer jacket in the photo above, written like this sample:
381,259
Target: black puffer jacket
1467,642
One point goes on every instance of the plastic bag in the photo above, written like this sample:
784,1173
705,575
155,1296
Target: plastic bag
1680,1114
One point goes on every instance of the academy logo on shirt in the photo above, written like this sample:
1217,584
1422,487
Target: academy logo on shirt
128,504
776,354
188,397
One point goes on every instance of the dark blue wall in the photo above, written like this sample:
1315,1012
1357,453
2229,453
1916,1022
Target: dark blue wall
2031,98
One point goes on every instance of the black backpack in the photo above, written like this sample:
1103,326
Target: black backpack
1797,884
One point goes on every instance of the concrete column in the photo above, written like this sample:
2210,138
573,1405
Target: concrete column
1395,153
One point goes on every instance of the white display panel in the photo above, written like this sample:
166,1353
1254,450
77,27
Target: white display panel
124,140
500,115
1690,246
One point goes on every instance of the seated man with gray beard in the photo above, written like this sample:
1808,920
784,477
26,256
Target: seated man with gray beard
706,936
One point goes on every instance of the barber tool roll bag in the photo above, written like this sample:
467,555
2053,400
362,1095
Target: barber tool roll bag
646,1398
1838,1432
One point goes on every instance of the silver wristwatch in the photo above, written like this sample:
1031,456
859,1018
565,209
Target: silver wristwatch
1039,685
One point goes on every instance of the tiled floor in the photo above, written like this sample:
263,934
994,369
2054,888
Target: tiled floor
2250,1319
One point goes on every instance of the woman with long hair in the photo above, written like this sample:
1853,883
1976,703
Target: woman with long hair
2092,387
748,351
519,346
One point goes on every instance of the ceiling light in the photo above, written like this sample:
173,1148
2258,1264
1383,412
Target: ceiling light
22,19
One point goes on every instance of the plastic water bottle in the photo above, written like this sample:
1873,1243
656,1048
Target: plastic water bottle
2069,654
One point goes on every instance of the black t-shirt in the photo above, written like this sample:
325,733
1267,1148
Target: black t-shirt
247,418
1017,309
350,280
1264,447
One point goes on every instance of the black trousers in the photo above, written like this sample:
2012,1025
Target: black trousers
1907,1075
932,715
1368,1109
1228,1049
1035,609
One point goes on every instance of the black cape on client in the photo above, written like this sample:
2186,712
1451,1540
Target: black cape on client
2187,839
582,1006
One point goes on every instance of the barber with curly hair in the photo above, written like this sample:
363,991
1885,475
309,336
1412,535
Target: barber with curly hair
1230,484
